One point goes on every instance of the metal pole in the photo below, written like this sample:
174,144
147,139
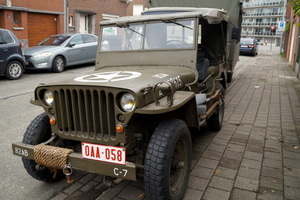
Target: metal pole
271,41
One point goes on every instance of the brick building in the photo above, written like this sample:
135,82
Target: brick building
85,15
32,20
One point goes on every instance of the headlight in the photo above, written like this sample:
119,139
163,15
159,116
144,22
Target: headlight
128,102
48,97
42,55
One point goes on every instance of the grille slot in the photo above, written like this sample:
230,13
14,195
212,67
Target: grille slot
85,113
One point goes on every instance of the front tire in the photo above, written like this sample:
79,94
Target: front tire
58,64
37,132
168,161
14,70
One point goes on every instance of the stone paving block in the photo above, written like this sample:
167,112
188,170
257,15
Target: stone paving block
98,178
238,194
255,142
202,172
198,183
267,194
199,148
113,192
236,147
272,163
89,186
254,164
218,141
273,149
77,195
225,172
75,186
229,163
132,193
272,183
196,155
292,155
60,196
254,148
221,183
233,154
272,172
209,163
249,173
291,146
291,171
239,138
212,193
139,183
290,181
215,155
216,147
87,178
192,194
253,156
291,193
246,183
293,163
273,156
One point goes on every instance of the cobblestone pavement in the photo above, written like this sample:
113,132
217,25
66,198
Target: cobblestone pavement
256,155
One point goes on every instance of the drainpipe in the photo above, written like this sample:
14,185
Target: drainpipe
66,16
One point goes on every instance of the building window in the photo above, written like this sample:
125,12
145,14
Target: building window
70,20
17,18
137,9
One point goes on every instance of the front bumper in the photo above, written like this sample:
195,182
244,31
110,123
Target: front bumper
75,160
38,63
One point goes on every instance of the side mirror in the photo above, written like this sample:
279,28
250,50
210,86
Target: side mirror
236,33
72,44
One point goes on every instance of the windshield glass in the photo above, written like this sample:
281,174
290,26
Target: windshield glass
54,40
159,35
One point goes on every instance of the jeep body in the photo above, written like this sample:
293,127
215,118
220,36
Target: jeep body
155,77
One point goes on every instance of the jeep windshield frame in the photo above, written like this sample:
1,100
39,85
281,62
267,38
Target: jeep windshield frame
165,34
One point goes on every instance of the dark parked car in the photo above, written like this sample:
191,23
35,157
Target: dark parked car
11,55
58,51
248,46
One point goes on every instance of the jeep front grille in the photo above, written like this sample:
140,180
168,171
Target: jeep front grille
85,113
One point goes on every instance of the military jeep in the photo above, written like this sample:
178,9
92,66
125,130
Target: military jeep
155,77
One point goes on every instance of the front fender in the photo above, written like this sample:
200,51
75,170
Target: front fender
180,99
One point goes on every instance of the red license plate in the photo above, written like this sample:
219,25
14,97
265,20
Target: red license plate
104,153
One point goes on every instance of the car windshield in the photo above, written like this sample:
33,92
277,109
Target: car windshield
168,34
249,41
54,40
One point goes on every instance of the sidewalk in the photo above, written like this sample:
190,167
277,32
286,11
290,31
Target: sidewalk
256,155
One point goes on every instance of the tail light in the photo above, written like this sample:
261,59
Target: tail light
251,46
21,45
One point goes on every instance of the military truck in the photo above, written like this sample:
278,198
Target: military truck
155,78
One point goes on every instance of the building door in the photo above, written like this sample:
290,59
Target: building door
83,24
40,26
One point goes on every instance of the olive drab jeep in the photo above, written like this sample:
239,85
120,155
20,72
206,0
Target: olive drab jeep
155,77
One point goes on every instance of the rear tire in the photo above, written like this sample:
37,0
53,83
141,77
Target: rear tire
215,122
14,70
58,64
168,161
37,132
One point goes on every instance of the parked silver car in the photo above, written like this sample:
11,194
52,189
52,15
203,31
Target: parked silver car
58,51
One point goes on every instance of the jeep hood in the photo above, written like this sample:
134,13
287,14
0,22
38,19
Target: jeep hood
134,78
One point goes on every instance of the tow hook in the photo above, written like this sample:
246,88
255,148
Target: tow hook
67,170
111,184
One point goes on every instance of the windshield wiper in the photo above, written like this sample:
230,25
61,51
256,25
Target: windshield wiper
174,22
127,27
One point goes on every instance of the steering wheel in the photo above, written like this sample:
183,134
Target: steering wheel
173,41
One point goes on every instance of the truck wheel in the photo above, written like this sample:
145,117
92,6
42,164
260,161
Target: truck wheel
215,122
37,132
58,64
168,161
